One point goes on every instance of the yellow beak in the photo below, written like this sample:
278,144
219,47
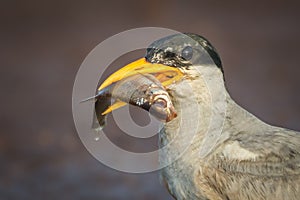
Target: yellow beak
165,74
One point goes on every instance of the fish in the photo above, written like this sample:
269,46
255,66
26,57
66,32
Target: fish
142,90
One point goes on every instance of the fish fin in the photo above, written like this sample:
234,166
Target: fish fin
89,98
102,92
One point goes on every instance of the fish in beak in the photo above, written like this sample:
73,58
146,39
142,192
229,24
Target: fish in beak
141,84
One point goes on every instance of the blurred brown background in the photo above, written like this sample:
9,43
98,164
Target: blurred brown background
44,42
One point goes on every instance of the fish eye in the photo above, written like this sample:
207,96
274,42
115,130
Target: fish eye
187,53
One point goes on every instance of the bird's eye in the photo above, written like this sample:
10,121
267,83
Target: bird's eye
187,53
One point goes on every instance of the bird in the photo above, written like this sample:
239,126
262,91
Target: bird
213,148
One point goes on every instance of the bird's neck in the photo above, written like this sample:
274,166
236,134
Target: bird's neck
183,139
200,102
207,116
204,108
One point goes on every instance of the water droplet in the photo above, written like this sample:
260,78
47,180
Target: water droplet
97,132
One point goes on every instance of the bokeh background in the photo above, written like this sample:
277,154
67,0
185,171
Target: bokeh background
44,42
